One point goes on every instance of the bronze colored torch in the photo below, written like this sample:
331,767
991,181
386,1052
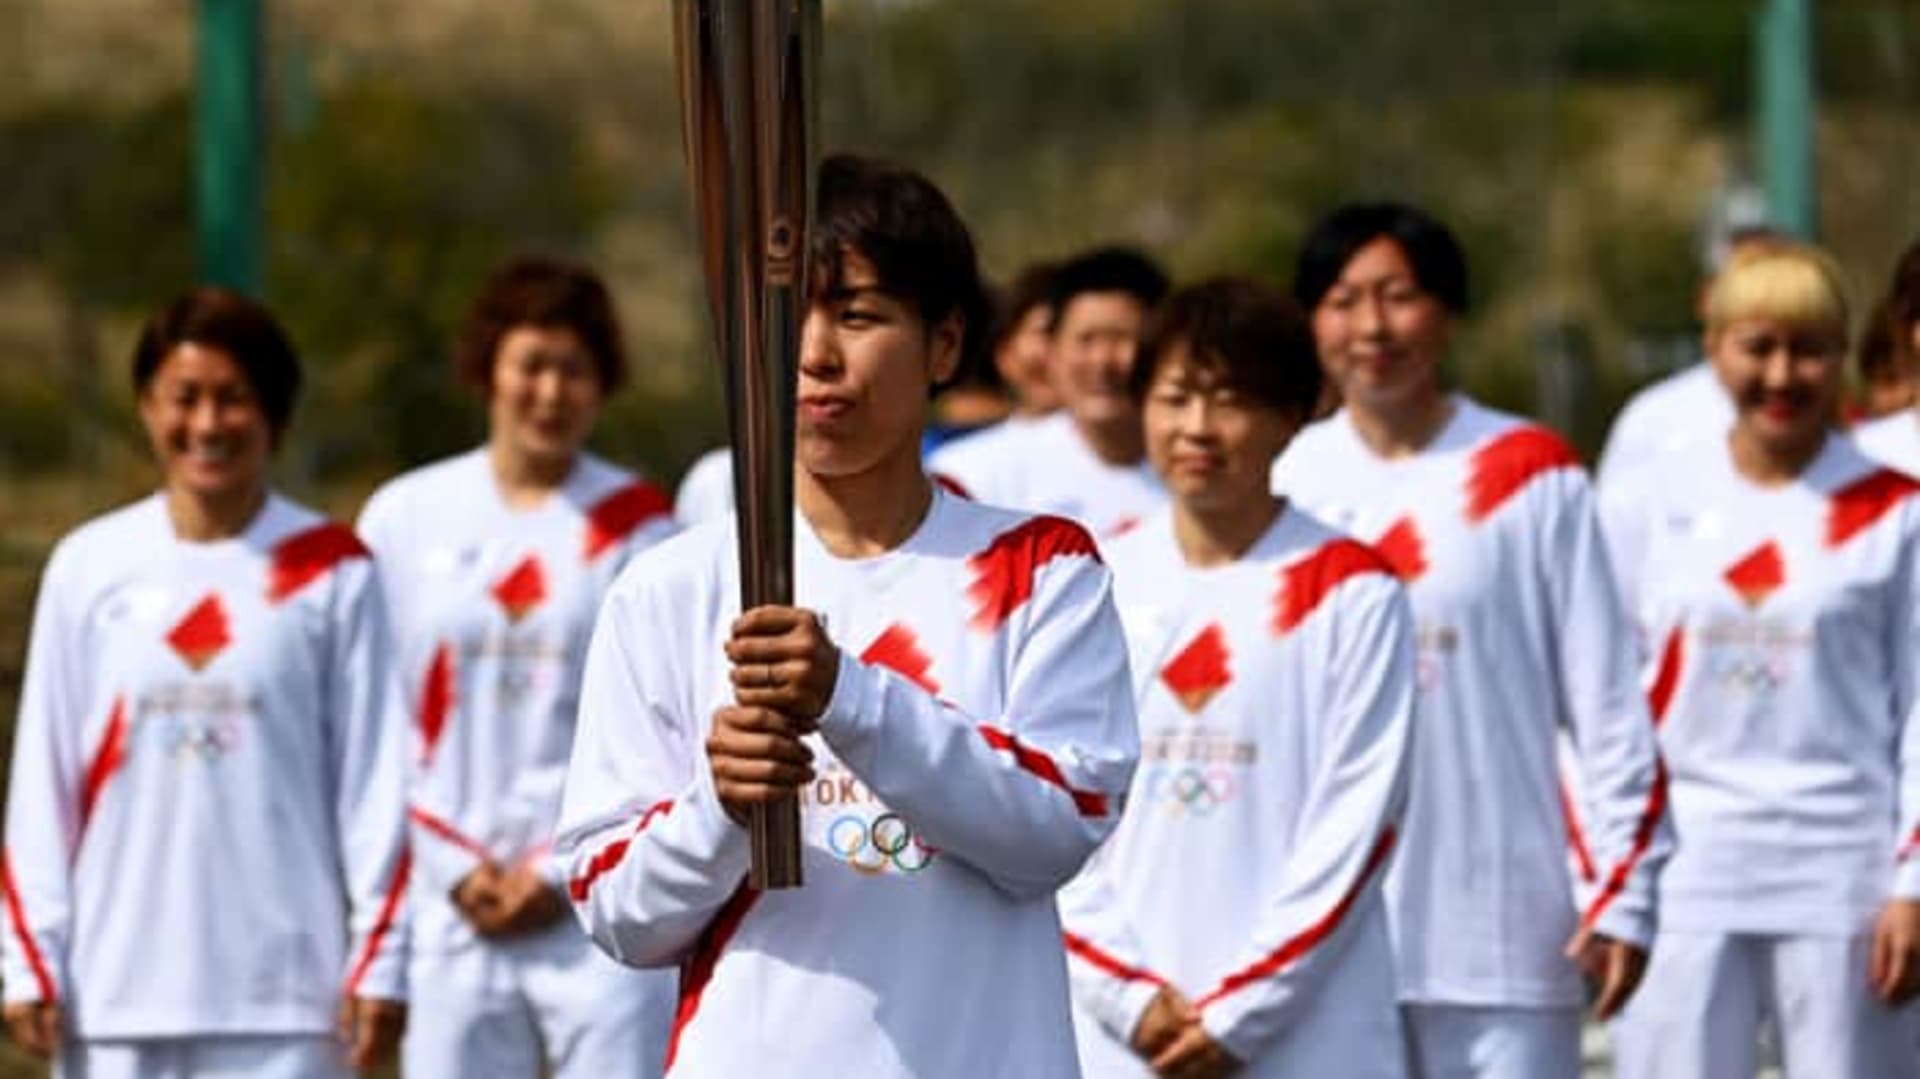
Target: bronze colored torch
747,99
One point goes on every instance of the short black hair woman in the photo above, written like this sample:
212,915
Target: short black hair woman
205,835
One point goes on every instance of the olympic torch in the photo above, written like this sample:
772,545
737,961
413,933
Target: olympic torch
747,99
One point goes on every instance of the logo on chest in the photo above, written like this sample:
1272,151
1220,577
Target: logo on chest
1758,575
523,589
1201,670
202,633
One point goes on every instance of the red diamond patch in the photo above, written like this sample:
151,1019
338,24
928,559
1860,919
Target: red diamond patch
1200,671
522,589
1404,549
202,635
899,651
1759,575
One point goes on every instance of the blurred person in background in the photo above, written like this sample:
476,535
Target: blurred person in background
1234,922
1022,344
947,699
205,853
1894,437
1777,570
1086,461
1520,631
706,490
495,562
1683,408
1883,388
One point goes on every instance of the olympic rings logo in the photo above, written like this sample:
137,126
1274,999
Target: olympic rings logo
872,846
185,739
1191,789
1757,675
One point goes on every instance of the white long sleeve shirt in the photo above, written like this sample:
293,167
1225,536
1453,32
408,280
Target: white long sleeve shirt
706,491
205,829
975,752
1275,697
1787,629
492,608
1670,417
1521,632
1044,466
1892,440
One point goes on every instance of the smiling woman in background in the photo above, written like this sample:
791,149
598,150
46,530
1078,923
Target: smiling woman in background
496,561
205,847
1774,574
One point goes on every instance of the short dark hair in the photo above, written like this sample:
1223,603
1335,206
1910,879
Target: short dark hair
1109,269
242,328
1903,304
1439,266
1031,289
1876,357
1248,331
921,250
547,293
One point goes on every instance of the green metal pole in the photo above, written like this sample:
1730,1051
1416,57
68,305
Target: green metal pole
227,144
1783,62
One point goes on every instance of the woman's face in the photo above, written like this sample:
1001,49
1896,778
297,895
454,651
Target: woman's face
205,423
1381,336
1784,379
546,393
867,362
1212,445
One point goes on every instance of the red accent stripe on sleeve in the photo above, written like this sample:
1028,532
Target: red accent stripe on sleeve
697,972
17,915
1855,507
1305,584
1642,838
436,701
443,829
1089,803
1307,939
107,759
305,557
1003,574
1504,466
1666,678
1577,837
609,856
389,911
898,650
1105,961
615,517
952,486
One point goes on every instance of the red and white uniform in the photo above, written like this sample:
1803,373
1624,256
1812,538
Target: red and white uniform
1044,466
1786,632
1521,632
205,834
492,608
1275,697
975,753
1683,410
1892,440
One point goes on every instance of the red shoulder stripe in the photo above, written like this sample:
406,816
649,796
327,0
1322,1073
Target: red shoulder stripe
1307,939
1502,467
1656,808
1404,549
898,650
436,701
17,914
1305,584
1105,961
1577,836
305,557
1666,678
389,911
952,485
614,517
444,830
698,971
610,856
1003,574
107,759
1855,507
1089,803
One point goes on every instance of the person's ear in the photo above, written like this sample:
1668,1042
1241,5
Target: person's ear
944,348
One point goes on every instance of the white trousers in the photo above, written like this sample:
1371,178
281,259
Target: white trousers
1699,1012
294,1056
500,1009
1447,1041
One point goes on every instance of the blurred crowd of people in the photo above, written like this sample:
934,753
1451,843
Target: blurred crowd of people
1202,684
